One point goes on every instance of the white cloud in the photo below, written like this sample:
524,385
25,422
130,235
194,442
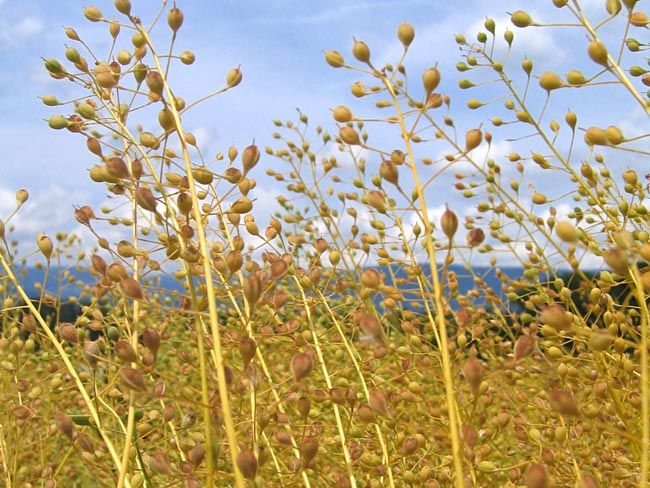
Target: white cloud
12,33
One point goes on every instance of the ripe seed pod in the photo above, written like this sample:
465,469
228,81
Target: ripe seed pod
91,353
550,81
430,80
361,51
556,316
473,371
449,223
155,82
536,476
379,403
595,136
473,139
370,278
123,6
64,424
252,288
175,19
22,196
308,449
524,347
349,135
151,339
521,19
125,352
104,76
233,77
132,379
92,13
614,135
247,464
600,340
250,157
334,59
68,332
597,52
475,237
45,245
406,34
145,199
575,77
617,259
566,231
247,347
563,402
342,114
388,172
131,288
301,365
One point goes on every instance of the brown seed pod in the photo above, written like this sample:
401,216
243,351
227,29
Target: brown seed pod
278,269
304,406
389,172
308,449
84,215
409,445
252,288
473,371
151,339
563,402
475,237
524,347
449,223
132,289
600,340
556,316
247,464
379,403
159,463
125,352
64,424
85,443
536,476
250,157
617,259
68,333
366,414
247,347
145,199
301,365
349,136
91,353
45,245
132,379
370,278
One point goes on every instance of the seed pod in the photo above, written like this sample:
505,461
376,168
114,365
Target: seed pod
131,289
64,424
125,352
151,339
639,19
145,199
361,51
473,371
342,114
406,34
524,347
242,205
550,81
556,316
567,231
388,172
597,52
587,481
377,201
247,464
600,340
475,237
449,223
334,59
595,136
370,326
93,14
409,445
175,19
614,135
45,245
617,259
366,414
132,379
252,288
349,136
370,278
123,6
91,353
521,19
250,157
278,269
57,122
301,365
563,402
430,81
379,402
247,348
473,139
303,404
308,449
68,333
233,77
576,78
536,476
104,76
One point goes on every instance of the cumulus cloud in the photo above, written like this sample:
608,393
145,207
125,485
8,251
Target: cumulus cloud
12,33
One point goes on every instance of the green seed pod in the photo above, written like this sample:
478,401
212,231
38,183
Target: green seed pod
147,139
53,66
93,13
521,19
174,19
140,72
527,66
233,77
124,57
430,80
50,100
490,25
361,51
58,122
613,7
598,53
550,81
509,36
72,55
334,59
342,114
86,110
406,34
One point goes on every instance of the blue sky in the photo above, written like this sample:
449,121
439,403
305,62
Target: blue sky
278,44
